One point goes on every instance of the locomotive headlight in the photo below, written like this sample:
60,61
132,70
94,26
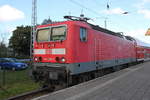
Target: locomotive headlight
36,59
63,60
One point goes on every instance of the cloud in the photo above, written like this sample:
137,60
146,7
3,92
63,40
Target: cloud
114,11
146,1
139,34
141,6
8,13
10,29
142,3
145,12
6,32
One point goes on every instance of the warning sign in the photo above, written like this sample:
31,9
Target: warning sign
148,32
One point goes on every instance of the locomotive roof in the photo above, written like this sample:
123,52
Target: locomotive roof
95,27
98,28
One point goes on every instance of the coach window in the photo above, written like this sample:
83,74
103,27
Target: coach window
83,34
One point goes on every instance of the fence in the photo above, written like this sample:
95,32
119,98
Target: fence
15,82
2,77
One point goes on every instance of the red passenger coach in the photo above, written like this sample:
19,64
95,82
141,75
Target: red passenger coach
146,53
143,53
71,48
140,53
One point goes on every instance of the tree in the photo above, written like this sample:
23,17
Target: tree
20,40
3,49
47,21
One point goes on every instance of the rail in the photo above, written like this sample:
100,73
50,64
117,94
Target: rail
31,95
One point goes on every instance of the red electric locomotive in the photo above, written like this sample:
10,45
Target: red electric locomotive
65,52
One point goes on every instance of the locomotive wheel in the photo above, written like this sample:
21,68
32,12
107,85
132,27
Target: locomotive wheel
51,87
117,68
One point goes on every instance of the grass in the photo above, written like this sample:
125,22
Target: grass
17,82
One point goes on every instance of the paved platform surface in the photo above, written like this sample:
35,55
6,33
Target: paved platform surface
129,84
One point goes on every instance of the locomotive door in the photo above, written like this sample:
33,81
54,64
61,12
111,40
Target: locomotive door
97,51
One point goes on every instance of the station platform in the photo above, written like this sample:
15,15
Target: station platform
128,84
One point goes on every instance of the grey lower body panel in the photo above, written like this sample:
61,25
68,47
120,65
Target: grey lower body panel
77,68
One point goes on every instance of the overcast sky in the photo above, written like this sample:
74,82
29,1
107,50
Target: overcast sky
18,12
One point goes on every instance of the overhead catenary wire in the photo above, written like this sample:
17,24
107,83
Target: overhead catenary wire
82,6
93,11
107,5
97,3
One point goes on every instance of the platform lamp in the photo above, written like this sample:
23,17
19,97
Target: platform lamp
148,32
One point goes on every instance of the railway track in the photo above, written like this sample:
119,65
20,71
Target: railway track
43,91
31,95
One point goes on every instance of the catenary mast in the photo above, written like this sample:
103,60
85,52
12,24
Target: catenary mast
33,26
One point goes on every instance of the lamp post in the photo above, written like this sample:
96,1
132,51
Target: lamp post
105,21
125,12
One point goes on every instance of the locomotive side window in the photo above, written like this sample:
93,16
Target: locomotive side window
83,34
43,35
58,33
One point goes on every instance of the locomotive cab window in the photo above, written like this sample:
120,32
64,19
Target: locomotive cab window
83,34
51,34
58,33
43,35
